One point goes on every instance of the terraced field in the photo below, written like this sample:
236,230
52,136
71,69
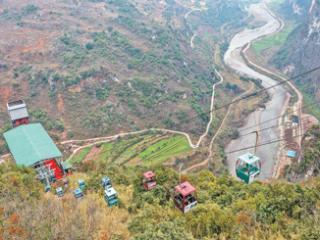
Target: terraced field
150,149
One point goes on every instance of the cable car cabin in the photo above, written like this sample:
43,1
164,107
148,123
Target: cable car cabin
184,197
111,196
149,181
47,188
78,193
248,166
59,192
82,184
18,113
106,182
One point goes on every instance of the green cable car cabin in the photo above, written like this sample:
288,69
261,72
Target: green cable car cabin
248,167
111,196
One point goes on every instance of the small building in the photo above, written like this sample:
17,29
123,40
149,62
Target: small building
292,154
31,146
18,113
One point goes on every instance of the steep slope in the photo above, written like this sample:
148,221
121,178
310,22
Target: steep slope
227,209
96,67
302,50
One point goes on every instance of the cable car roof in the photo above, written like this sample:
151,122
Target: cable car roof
110,192
249,158
185,189
148,174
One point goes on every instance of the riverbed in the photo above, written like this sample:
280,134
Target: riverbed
274,108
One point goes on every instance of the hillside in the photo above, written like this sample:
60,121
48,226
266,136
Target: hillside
88,68
300,52
227,209
183,95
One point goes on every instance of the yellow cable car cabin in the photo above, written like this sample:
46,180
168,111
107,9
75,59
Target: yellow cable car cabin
248,167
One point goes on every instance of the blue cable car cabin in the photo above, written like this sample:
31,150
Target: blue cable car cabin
82,184
59,192
248,167
78,193
106,182
111,196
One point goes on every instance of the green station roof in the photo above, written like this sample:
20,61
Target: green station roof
30,144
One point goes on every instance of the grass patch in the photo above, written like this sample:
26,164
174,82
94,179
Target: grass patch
80,156
312,108
146,150
105,152
164,149
275,40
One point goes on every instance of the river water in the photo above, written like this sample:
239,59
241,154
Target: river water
233,59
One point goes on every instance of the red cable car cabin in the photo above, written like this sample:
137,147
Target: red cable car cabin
149,181
184,197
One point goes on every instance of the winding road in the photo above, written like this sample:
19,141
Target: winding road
94,141
235,61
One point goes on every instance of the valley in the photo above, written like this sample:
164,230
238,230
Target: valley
203,149
141,115
273,108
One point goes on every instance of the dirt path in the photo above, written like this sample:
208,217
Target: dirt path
93,152
313,3
192,40
94,141
282,160
206,161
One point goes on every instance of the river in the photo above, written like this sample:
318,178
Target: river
274,107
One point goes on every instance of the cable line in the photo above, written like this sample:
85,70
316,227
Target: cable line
268,88
263,144
256,93
270,127
279,116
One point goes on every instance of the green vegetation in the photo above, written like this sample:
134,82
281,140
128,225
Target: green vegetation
276,40
310,162
80,156
227,209
49,123
146,150
164,150
29,9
